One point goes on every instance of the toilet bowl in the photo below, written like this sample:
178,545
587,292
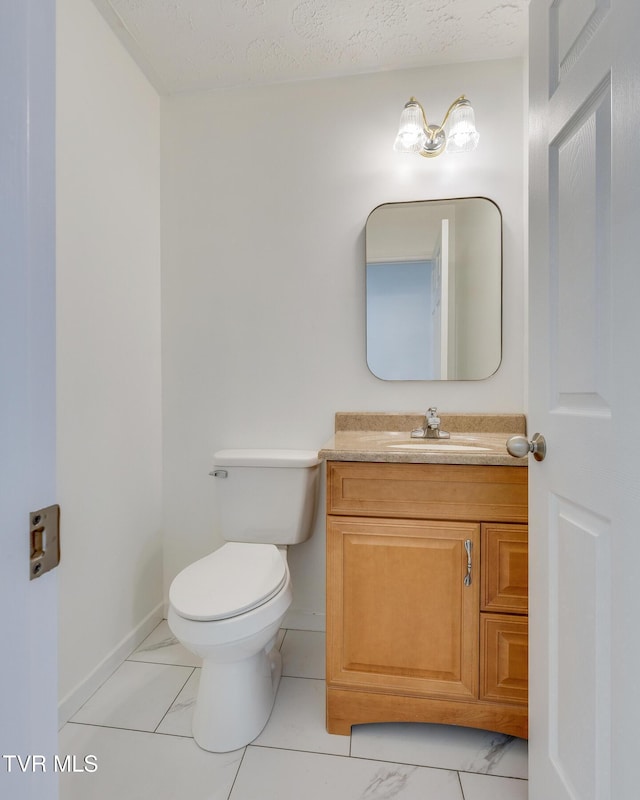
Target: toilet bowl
241,664
227,607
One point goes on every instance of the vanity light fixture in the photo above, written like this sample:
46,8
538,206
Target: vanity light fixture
415,135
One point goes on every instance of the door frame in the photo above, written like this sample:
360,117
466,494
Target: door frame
28,676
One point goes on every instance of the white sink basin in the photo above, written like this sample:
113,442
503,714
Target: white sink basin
442,446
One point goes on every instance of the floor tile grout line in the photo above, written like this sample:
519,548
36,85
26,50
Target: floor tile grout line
160,663
120,728
297,750
358,758
175,735
235,778
133,730
385,761
460,784
189,676
492,775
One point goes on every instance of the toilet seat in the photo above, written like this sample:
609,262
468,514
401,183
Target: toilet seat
230,581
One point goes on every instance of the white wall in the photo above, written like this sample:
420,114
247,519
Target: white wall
477,271
265,194
108,351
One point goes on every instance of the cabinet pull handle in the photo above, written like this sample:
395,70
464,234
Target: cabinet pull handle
468,546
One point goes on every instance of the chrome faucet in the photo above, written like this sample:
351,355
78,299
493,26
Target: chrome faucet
431,428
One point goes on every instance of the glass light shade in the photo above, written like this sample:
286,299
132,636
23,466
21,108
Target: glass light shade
462,136
411,135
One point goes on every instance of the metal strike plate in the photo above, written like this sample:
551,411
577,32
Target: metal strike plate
44,540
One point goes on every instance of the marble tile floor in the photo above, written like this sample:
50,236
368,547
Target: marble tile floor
137,725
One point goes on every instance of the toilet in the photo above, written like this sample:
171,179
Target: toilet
227,607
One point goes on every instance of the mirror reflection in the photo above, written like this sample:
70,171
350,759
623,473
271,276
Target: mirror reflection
434,289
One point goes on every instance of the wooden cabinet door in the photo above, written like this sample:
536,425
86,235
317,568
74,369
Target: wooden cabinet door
504,654
399,615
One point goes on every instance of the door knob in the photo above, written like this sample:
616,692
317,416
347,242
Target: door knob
519,446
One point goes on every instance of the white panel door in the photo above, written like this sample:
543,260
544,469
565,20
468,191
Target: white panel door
584,387
28,668
441,303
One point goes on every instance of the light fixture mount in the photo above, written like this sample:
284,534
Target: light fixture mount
416,135
435,141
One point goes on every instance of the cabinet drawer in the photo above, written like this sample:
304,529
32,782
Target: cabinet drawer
427,491
504,654
505,568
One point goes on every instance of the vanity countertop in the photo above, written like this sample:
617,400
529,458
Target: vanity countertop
386,437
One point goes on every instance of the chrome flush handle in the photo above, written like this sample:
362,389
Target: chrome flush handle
468,546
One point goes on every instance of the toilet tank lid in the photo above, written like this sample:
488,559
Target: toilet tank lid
254,457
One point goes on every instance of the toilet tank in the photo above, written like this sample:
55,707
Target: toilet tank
267,496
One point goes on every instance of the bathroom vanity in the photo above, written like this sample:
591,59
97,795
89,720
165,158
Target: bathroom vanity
426,574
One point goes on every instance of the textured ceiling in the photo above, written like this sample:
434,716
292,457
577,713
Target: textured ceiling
193,45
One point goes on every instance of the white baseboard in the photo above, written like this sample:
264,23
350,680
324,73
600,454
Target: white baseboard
79,695
300,620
